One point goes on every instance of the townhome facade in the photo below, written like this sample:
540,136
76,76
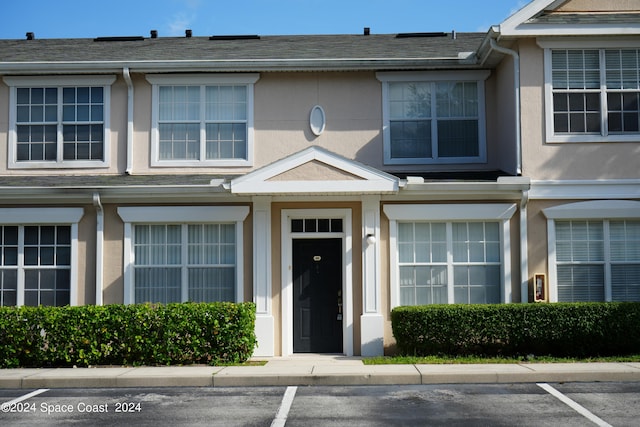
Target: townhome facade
326,178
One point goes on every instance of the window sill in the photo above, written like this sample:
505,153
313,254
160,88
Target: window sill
58,165
201,164
590,139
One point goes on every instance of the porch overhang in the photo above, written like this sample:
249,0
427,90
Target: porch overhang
315,171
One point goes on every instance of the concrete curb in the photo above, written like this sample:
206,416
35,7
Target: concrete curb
290,372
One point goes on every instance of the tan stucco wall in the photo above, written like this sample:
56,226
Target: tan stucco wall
543,160
87,257
113,279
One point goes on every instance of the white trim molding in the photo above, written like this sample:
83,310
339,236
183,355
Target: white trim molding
585,189
181,215
286,294
501,212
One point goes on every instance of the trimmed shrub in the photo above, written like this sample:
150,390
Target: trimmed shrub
558,329
144,334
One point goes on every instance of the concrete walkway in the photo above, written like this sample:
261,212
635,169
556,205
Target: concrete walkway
315,370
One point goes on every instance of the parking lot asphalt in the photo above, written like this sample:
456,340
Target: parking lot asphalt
315,370
526,404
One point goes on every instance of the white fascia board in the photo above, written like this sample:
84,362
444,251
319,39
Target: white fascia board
247,65
597,209
525,13
316,187
572,30
450,212
504,186
585,189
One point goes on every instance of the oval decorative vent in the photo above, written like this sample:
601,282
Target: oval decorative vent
317,120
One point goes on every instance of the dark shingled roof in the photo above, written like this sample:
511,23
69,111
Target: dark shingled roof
375,47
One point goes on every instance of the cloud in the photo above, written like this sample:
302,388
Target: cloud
184,19
179,23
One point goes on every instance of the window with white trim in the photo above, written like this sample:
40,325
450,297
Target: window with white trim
445,254
433,117
59,122
178,254
593,95
461,258
38,261
172,260
202,121
598,260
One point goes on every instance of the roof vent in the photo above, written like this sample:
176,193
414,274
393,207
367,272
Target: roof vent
418,35
188,33
236,37
119,39
30,35
367,31
154,34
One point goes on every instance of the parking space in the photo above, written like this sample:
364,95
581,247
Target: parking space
616,404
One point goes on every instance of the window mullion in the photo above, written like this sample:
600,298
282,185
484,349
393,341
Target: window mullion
434,123
608,294
604,107
184,263
450,287
20,273
60,129
203,123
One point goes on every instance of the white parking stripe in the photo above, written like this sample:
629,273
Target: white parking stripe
574,405
283,411
26,396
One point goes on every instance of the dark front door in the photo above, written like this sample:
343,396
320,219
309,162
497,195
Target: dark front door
317,295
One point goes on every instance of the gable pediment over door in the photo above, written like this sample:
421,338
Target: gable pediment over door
315,171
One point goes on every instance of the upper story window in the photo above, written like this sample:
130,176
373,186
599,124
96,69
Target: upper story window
202,120
592,94
59,121
433,117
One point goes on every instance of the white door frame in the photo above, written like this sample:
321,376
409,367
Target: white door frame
287,271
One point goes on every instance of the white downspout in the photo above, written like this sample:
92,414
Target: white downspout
99,247
516,88
127,78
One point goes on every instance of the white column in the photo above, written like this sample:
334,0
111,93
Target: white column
265,331
371,321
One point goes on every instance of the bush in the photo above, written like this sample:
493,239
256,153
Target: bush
558,329
144,334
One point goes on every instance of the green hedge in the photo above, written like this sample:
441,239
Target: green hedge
143,334
559,329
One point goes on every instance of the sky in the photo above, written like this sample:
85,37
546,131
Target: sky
87,18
